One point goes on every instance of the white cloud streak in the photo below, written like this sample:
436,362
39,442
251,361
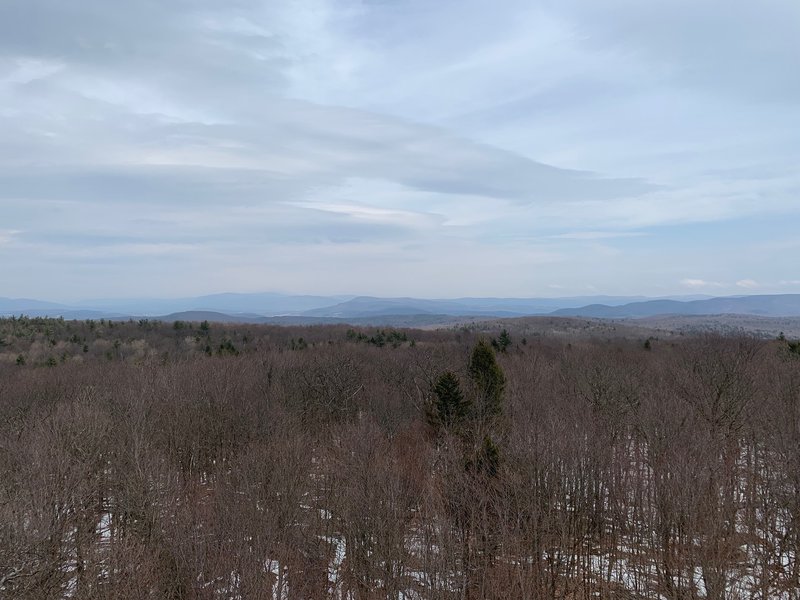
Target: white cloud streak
747,284
171,137
700,283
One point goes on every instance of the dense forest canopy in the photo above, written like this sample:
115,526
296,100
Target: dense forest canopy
200,460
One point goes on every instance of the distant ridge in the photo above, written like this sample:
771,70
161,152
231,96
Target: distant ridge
369,306
208,315
269,307
12,305
399,320
778,305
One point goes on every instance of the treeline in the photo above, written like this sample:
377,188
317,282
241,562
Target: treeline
49,342
431,465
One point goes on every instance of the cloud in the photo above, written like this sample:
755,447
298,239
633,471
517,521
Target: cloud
747,283
7,236
169,137
700,283
597,235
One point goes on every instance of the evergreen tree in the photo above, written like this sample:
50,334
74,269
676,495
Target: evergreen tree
503,341
488,378
450,407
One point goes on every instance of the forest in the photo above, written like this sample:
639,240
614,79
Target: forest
146,459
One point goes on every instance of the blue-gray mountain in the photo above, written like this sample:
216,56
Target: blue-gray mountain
778,305
310,309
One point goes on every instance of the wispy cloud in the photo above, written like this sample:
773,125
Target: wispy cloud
700,283
597,235
7,235
747,284
515,138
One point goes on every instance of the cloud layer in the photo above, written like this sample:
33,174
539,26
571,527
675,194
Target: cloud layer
434,149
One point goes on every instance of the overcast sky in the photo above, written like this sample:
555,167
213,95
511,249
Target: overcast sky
394,147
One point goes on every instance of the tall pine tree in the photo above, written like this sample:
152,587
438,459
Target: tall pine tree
450,409
489,381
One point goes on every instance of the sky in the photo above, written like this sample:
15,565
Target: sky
399,147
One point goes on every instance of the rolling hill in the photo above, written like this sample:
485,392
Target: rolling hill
779,305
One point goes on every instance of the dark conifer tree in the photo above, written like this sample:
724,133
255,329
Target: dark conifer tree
489,380
450,408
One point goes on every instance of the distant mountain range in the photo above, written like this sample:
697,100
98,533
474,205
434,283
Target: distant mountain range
779,305
284,308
